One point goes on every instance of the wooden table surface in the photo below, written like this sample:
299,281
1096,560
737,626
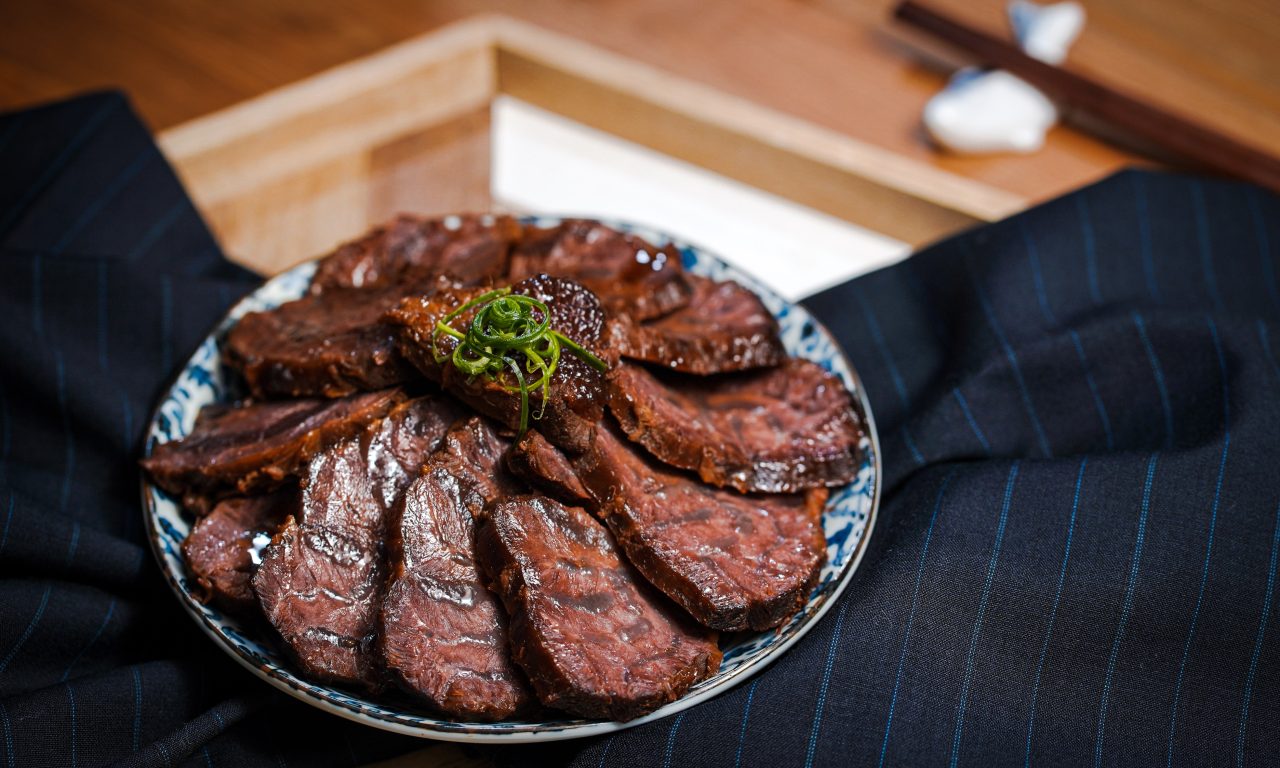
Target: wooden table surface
836,63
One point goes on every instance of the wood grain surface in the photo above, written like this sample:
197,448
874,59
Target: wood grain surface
835,63
290,173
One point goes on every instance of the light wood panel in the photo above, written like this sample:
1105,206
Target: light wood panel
289,174
735,138
274,224
434,172
334,115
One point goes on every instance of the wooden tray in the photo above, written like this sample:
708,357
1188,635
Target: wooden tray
289,174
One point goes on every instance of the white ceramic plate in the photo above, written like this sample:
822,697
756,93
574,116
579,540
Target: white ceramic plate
847,521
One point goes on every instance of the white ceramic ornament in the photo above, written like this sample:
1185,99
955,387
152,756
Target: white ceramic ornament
994,111
1046,32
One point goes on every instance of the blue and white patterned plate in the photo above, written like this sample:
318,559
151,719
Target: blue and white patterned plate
847,520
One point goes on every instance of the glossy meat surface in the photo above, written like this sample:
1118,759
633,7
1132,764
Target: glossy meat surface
401,443
724,328
331,344
316,586
443,634
351,486
470,248
630,275
593,639
224,547
322,580
734,562
257,447
777,430
576,399
541,464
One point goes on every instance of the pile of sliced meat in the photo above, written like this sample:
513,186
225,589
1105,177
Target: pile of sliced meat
380,509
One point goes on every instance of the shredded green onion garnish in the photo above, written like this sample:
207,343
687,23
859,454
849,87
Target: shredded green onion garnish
512,333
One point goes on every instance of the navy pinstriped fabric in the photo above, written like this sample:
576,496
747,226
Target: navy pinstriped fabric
108,278
1080,410
1076,561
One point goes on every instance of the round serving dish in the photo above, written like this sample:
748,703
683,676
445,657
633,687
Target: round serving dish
847,521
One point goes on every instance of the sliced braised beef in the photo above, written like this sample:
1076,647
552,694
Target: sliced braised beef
257,447
593,639
661,518
725,328
415,320
321,580
575,401
317,587
401,443
225,546
777,430
389,540
329,345
443,635
734,562
630,275
351,486
541,464
469,248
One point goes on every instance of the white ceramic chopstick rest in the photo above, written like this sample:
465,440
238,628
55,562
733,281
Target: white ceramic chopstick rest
993,111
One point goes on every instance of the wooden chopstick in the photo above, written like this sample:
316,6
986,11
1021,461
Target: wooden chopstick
1185,139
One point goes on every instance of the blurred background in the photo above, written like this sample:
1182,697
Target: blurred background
836,83
837,63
